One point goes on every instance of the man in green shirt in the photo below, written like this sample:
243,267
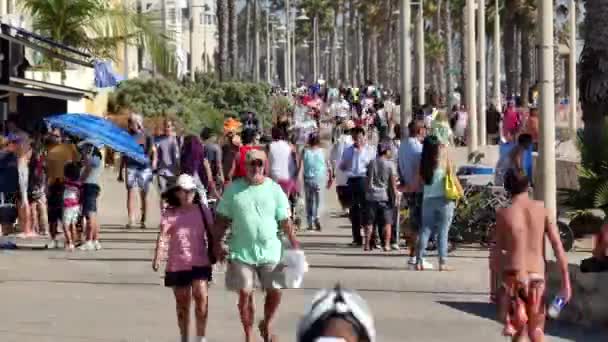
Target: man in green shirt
255,207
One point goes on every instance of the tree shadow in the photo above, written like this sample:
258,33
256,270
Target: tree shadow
454,293
84,282
107,259
553,328
360,267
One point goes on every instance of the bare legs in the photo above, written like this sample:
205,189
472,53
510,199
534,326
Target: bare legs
247,313
92,232
131,194
183,299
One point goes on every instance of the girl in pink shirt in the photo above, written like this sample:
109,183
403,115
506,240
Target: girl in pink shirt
188,271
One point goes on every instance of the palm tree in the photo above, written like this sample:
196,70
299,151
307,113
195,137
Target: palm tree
222,28
593,82
232,33
98,27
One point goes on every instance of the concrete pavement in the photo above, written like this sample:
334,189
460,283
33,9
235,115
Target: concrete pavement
113,295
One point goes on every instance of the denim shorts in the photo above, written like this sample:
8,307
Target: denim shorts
139,178
90,193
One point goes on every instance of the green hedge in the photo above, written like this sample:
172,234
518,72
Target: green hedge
206,102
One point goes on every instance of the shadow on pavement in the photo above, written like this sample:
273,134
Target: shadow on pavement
127,240
553,328
81,282
360,267
452,293
111,259
379,253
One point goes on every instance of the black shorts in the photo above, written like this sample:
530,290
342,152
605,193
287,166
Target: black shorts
185,278
379,213
55,202
414,204
344,195
90,193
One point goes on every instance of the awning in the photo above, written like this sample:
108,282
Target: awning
47,92
52,86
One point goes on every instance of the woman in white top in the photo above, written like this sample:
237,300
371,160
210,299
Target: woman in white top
344,141
281,157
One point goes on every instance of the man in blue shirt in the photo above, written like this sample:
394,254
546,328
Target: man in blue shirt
410,152
354,162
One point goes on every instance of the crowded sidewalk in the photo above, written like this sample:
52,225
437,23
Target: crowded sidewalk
113,295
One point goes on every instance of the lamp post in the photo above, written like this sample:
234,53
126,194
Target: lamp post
547,183
268,74
405,18
481,99
471,76
302,17
572,68
192,16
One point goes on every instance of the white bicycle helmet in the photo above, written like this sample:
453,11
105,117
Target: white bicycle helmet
336,303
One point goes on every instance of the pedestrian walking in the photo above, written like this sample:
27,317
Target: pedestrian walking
408,163
519,251
354,162
437,209
317,173
381,188
255,207
167,147
59,154
138,175
37,188
92,168
282,156
213,156
193,163
184,236
344,141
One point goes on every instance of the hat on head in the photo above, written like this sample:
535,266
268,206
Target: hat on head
383,147
184,181
255,154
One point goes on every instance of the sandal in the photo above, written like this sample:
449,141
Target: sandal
265,334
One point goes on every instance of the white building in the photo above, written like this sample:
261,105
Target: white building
200,42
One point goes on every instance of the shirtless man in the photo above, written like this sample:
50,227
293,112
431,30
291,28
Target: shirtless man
519,250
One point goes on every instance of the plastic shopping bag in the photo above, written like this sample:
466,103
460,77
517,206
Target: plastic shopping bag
295,265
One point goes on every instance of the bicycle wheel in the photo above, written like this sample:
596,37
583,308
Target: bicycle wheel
566,235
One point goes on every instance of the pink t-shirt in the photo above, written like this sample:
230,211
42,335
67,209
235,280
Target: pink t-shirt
188,239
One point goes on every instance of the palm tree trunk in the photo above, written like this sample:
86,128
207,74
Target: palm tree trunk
256,43
248,64
233,38
373,58
509,47
334,43
222,24
360,51
463,58
526,63
449,53
345,47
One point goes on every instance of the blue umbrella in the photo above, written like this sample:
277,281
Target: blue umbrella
101,131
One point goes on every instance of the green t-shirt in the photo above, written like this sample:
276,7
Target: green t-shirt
255,211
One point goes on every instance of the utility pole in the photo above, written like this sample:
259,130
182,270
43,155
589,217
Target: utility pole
483,81
471,76
294,50
405,17
547,179
572,69
497,96
315,49
420,62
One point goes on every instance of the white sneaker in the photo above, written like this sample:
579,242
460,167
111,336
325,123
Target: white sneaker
97,245
426,265
412,261
54,244
87,246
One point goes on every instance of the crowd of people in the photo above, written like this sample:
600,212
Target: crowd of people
232,198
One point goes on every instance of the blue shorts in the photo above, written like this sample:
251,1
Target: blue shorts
139,178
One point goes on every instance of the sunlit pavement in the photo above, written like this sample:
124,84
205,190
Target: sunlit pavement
113,294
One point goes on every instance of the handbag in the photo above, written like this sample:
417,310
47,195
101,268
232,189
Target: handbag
208,221
453,188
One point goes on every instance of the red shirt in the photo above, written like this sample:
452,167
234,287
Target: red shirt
241,165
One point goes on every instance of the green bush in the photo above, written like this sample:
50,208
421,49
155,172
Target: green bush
207,102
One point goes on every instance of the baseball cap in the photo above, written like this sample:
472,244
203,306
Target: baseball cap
255,154
336,303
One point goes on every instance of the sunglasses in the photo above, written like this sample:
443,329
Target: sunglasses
256,163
